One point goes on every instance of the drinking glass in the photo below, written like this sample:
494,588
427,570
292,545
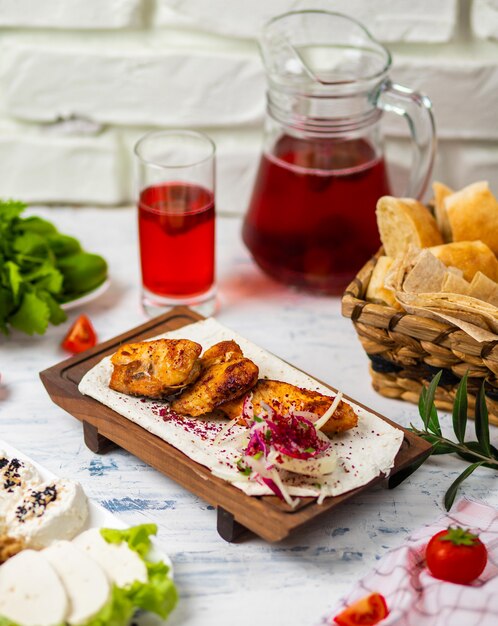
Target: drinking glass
176,220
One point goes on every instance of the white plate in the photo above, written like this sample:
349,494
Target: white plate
88,297
98,516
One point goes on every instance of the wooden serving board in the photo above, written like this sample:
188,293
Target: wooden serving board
103,428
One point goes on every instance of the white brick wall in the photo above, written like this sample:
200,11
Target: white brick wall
130,65
389,20
485,18
93,14
143,80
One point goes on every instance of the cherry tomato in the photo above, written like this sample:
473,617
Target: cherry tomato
456,555
80,336
368,611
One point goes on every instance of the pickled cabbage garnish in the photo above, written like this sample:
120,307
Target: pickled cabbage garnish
284,443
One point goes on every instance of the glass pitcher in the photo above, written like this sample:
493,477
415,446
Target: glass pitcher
311,219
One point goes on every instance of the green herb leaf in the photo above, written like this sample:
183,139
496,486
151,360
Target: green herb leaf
422,404
13,279
460,410
35,224
482,421
82,272
40,268
57,314
31,244
449,498
10,209
6,308
429,413
243,468
472,452
32,316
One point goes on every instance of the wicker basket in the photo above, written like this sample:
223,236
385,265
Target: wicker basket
406,350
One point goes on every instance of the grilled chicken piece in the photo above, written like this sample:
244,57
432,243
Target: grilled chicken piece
283,397
226,374
220,353
155,369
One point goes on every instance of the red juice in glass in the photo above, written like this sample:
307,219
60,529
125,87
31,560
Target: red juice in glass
311,221
177,238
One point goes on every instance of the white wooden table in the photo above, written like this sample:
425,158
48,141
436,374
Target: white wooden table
296,582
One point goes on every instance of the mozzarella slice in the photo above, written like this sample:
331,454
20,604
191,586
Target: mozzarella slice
84,580
15,477
122,565
53,510
31,593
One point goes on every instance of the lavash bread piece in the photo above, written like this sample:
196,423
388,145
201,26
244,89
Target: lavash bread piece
484,288
403,222
469,256
377,292
453,283
473,215
441,192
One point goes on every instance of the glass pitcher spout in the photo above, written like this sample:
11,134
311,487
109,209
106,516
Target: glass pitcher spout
323,71
311,220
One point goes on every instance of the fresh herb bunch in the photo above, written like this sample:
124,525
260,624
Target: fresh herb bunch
476,453
40,268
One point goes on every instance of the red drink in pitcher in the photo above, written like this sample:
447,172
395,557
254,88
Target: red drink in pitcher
311,221
176,230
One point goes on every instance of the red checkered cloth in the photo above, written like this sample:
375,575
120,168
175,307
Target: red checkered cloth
415,598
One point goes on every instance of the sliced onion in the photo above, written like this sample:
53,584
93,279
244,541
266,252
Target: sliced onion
329,412
315,467
285,494
267,408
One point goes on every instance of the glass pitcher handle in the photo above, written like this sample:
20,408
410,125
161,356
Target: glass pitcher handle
417,110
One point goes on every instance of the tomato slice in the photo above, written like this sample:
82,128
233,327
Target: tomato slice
368,611
80,336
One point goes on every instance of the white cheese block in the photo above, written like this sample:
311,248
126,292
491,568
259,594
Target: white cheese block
56,509
84,580
122,565
15,477
31,593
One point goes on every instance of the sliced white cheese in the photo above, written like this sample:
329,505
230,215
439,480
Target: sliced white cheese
31,593
56,509
85,582
15,476
122,565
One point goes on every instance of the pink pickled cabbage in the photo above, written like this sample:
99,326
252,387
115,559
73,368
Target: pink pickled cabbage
294,436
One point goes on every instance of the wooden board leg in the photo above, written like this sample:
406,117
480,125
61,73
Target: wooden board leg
228,529
95,441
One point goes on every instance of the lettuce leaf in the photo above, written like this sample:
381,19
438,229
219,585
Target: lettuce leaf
117,612
159,594
5,621
137,537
